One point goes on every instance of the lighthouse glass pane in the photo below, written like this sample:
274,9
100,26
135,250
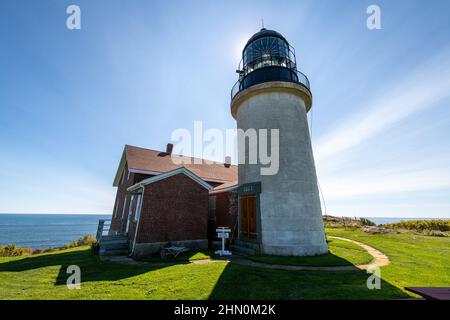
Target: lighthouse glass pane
266,51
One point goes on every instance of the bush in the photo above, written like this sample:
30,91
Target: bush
367,222
12,251
422,225
87,240
346,222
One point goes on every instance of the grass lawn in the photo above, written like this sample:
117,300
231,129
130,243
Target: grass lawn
341,253
415,260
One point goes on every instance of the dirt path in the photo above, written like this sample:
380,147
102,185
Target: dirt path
379,260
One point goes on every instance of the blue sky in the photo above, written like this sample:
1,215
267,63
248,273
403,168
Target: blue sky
137,70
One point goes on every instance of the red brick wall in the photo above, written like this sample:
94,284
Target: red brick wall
173,209
117,223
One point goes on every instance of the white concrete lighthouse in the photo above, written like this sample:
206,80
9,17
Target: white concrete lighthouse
279,214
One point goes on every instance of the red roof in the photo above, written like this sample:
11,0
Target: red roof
154,162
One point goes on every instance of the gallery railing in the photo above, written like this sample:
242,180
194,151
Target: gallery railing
270,73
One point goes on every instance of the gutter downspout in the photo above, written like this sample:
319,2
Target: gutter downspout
138,222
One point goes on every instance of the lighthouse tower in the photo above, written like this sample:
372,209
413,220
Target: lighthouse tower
279,213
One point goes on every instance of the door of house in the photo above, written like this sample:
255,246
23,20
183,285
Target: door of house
248,216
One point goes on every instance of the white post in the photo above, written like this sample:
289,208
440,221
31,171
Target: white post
223,233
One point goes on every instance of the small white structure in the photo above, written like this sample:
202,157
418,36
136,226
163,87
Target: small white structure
223,233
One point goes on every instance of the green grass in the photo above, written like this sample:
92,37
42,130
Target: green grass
415,261
341,253
182,257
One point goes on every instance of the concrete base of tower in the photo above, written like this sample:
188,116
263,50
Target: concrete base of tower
294,250
291,221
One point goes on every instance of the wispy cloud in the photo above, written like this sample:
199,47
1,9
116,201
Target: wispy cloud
418,90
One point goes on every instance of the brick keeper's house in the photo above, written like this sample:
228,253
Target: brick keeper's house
160,202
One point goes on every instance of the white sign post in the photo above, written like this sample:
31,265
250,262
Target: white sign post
223,233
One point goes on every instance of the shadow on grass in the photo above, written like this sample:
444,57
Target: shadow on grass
325,260
244,282
235,282
186,257
92,269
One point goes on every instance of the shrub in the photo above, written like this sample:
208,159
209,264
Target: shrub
12,251
87,240
367,222
422,225
346,222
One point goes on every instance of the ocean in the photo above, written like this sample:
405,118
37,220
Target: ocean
40,231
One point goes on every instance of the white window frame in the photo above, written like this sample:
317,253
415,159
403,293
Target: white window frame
130,211
116,208
124,206
123,175
137,215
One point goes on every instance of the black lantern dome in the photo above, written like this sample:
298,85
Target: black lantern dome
267,56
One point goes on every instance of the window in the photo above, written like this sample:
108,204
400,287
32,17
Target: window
116,208
124,206
130,209
138,208
123,175
212,208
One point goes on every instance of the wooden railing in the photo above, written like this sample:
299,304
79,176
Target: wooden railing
103,228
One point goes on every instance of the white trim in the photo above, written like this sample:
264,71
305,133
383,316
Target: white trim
168,174
159,172
130,209
138,207
123,161
124,206
116,208
227,189
144,171
123,176
136,228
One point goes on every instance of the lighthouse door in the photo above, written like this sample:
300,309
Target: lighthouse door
248,216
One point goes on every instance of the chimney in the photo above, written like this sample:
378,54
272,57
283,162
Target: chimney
169,148
227,163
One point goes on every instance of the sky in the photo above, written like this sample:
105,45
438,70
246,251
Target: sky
138,70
